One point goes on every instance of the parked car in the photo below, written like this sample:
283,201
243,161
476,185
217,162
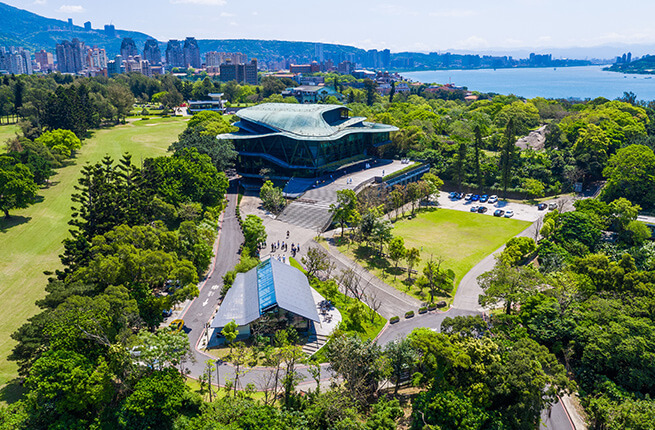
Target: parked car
482,209
499,212
475,197
552,206
176,325
460,196
468,197
493,199
474,208
452,195
542,206
167,313
509,213
484,198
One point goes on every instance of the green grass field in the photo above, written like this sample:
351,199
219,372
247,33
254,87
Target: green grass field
31,240
6,132
461,239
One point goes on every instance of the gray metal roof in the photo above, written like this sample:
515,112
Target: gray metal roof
242,301
303,121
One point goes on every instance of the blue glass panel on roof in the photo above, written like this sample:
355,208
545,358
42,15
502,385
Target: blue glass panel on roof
265,286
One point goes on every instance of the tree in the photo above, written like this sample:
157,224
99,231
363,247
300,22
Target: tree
157,400
254,233
221,151
121,98
402,358
359,363
315,261
459,164
507,155
345,209
507,284
187,176
369,87
392,92
630,173
438,279
516,249
17,186
397,251
67,387
534,187
413,194
272,198
477,144
230,331
60,141
412,257
163,349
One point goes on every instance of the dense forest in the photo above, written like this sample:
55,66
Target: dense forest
574,311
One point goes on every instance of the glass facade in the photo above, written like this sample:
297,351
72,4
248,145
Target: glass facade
305,158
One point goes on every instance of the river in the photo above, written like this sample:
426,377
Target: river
562,82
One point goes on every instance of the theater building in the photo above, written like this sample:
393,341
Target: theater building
287,140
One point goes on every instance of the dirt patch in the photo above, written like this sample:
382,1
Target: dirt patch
535,140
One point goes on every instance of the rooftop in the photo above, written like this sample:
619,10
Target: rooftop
272,283
302,121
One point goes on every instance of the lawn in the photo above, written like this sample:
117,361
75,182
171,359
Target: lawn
31,240
6,132
461,239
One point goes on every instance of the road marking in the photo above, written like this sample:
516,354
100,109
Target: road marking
205,302
211,293
215,287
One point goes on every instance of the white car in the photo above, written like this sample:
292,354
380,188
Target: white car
468,197
493,199
509,213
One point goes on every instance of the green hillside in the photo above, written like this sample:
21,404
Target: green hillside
22,28
645,65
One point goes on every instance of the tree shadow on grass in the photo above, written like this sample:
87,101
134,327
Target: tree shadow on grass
12,392
6,224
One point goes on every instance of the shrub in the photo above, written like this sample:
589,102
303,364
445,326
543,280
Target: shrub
432,307
394,320
409,314
422,310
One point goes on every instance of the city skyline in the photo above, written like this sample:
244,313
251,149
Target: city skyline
471,25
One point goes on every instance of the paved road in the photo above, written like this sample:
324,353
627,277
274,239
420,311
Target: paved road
200,310
468,291
431,320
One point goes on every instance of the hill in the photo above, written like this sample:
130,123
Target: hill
35,32
645,66
273,49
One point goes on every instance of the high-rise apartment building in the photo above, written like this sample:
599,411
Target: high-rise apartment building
318,52
71,56
96,59
16,61
128,48
151,52
174,54
192,53
242,73
215,59
45,60
110,30
87,26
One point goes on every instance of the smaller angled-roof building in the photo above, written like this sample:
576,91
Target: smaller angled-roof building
272,296
305,140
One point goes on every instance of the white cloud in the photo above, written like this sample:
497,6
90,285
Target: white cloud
71,9
40,2
453,13
227,14
255,13
473,42
201,2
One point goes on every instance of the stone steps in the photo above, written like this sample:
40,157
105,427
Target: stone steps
316,341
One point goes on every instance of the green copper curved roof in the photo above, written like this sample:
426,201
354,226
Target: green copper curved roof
304,120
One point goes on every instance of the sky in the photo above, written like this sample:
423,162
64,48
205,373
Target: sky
407,25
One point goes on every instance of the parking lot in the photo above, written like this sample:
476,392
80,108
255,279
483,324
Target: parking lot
521,211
